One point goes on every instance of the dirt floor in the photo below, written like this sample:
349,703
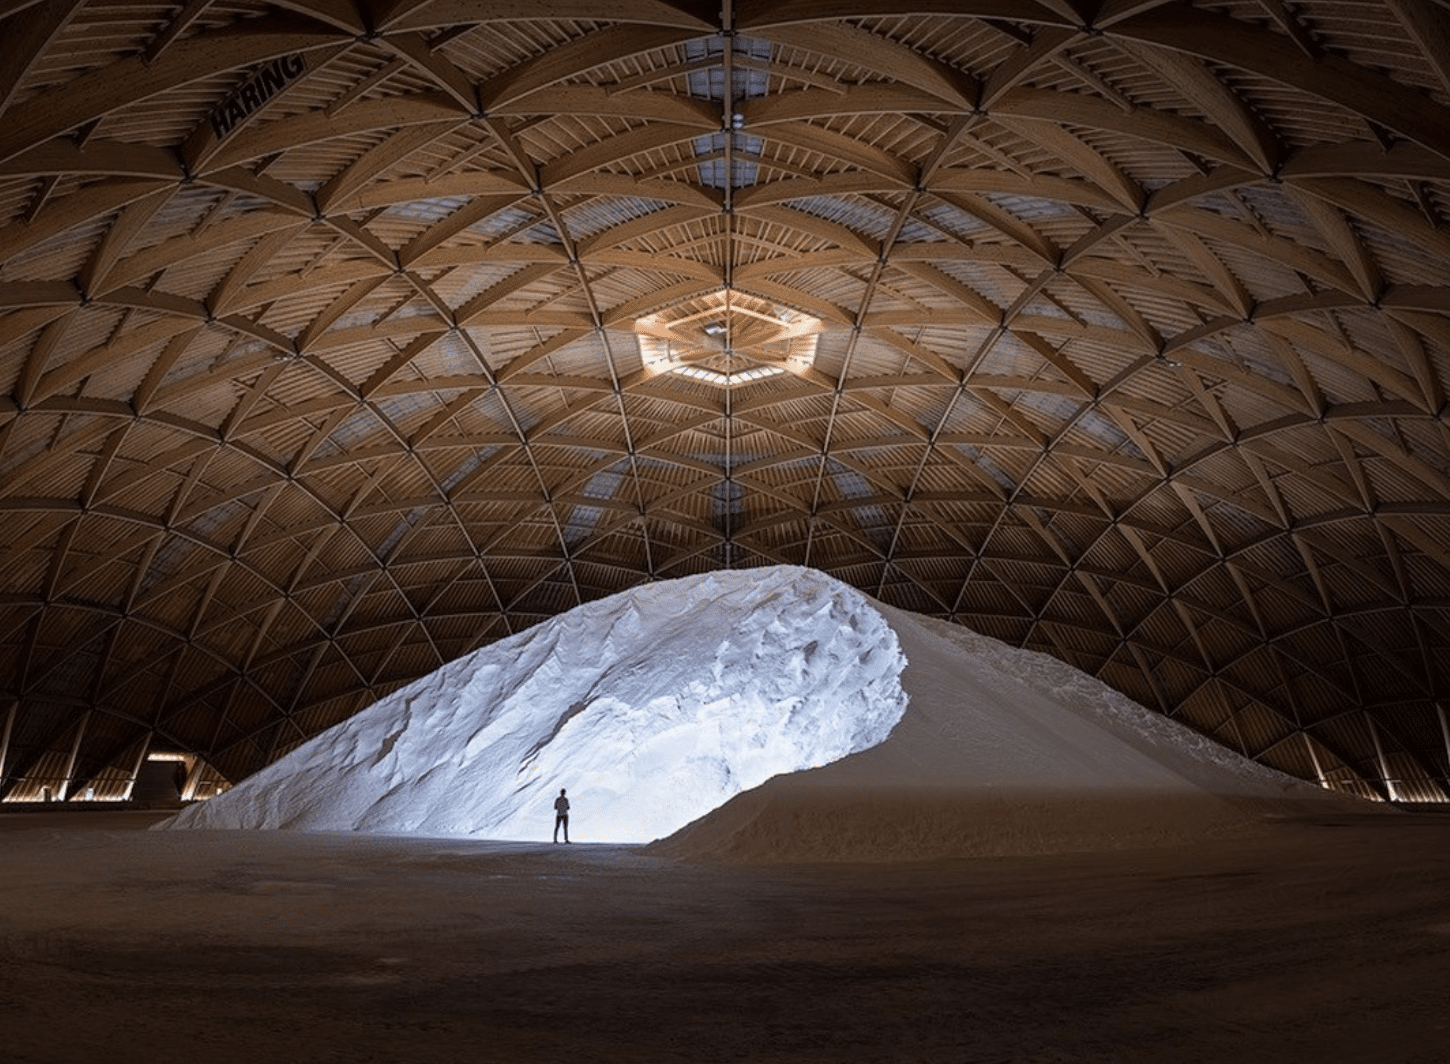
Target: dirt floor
1322,940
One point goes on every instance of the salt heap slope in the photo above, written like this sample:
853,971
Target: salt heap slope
1003,751
652,707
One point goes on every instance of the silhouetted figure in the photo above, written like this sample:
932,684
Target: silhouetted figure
561,815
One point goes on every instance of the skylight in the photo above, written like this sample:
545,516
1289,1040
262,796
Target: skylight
728,339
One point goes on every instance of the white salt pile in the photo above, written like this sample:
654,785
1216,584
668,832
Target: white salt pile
651,707
674,703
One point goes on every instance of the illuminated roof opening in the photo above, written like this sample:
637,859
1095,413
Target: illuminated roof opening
727,339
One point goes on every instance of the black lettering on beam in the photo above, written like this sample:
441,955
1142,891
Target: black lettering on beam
237,107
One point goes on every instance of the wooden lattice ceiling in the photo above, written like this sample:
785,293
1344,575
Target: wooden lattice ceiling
338,339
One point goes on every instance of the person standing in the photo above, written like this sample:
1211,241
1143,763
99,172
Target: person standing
561,815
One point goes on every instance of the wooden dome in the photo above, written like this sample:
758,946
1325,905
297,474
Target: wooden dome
338,339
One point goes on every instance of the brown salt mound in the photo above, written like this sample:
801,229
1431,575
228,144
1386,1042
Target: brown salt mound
1000,752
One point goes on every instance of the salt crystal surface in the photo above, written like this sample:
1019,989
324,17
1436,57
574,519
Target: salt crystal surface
651,707
658,706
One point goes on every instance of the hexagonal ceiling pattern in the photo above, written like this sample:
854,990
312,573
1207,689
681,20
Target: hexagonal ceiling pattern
340,338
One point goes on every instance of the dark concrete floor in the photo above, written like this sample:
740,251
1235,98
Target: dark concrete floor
1324,941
